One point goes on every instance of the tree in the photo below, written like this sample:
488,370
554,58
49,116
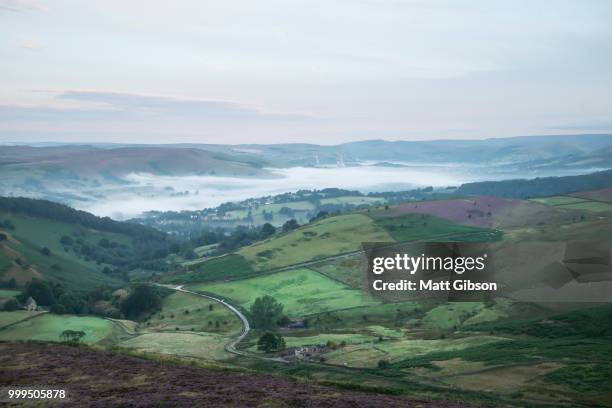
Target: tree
40,291
45,251
66,240
265,312
72,337
271,342
290,225
267,229
382,364
3,237
142,299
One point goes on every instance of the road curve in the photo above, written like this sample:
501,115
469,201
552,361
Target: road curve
246,328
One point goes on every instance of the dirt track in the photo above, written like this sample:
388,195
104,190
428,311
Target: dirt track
95,378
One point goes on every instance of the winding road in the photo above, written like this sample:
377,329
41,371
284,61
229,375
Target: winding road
246,328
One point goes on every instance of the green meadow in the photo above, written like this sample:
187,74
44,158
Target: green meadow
324,238
302,291
189,312
48,327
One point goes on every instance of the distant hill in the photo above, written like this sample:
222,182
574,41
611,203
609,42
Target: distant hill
539,187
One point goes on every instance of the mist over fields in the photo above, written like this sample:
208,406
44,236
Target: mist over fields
147,192
125,181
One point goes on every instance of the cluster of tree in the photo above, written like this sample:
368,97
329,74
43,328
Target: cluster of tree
267,313
269,342
143,299
59,212
72,337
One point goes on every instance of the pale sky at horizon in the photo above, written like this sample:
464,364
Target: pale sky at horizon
326,72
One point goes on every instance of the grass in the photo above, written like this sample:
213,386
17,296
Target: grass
593,206
7,318
224,267
350,271
187,312
324,238
368,354
7,293
390,314
323,338
558,200
32,233
450,316
586,378
302,292
411,227
48,327
208,346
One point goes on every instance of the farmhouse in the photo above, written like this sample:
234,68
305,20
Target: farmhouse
30,305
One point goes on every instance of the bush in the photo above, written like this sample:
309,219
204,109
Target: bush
11,305
271,342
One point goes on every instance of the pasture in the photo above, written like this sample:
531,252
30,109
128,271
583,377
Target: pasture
189,312
48,327
324,238
368,354
302,291
7,318
207,346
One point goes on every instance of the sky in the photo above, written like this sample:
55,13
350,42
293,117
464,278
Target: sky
316,71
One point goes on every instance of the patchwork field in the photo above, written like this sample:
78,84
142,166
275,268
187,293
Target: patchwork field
302,292
48,327
327,237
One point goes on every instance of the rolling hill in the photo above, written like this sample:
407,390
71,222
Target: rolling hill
50,241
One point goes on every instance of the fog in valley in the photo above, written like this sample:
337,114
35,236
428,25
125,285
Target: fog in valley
146,192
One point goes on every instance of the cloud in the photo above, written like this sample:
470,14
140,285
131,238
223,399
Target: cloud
169,107
599,124
22,5
31,46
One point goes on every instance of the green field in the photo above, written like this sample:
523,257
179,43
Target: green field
220,268
411,227
593,206
323,338
302,292
368,354
558,200
7,318
350,271
7,293
208,346
48,327
389,314
326,237
187,312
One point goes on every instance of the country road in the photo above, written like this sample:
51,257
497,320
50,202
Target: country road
246,328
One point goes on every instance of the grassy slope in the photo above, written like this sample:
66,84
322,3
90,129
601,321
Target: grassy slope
315,292
48,327
199,317
33,233
327,237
